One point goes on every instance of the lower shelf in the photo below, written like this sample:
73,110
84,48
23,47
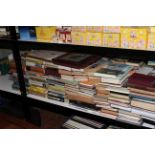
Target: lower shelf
6,85
67,105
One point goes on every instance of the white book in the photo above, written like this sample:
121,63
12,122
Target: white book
148,125
121,107
144,70
118,90
114,80
85,120
129,120
78,125
64,67
143,112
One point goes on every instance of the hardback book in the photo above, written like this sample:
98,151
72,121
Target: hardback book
76,60
114,71
109,116
105,72
126,101
148,125
129,115
143,104
143,112
83,105
82,97
72,124
118,80
114,102
89,122
140,91
122,90
109,111
121,107
141,81
145,70
119,95
44,54
128,120
52,71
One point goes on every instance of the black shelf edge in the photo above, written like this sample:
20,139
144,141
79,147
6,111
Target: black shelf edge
6,43
99,50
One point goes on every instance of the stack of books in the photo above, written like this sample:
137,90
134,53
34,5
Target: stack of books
77,122
77,85
142,91
55,86
116,96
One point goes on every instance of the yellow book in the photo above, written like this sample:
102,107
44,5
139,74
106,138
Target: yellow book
151,41
37,89
134,38
111,40
94,38
78,38
46,33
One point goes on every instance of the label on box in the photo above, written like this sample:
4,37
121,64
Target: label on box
45,33
152,29
78,38
79,28
111,40
151,41
112,29
94,39
95,28
134,38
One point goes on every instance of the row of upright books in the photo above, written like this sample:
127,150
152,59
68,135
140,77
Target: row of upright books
107,36
115,88
78,122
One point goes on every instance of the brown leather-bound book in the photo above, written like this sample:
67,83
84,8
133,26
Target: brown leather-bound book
35,69
76,60
115,113
80,97
52,71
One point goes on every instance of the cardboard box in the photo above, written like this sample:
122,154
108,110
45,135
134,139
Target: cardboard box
46,33
94,38
134,38
78,38
95,28
112,29
152,29
151,41
79,28
111,40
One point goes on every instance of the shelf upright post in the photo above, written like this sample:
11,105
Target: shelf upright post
17,58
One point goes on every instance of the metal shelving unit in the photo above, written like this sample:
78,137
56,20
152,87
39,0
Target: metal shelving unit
31,100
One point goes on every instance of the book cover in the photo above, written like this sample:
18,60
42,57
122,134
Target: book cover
76,60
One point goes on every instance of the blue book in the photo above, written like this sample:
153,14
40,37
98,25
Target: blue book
27,33
143,99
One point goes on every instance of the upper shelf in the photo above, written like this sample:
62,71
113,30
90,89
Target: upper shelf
104,51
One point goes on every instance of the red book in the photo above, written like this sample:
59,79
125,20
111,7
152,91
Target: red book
141,80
